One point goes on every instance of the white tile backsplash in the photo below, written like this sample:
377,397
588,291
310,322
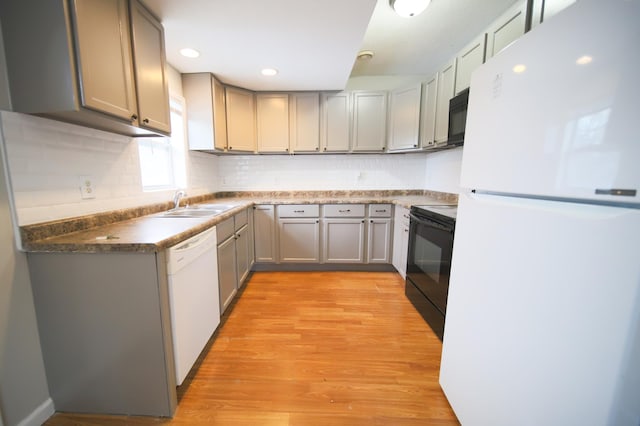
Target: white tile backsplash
46,158
321,172
442,171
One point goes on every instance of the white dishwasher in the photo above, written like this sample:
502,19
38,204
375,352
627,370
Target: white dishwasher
192,268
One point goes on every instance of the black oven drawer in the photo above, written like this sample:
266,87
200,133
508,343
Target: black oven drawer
426,309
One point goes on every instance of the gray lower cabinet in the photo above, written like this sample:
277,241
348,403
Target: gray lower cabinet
299,240
227,272
343,240
233,256
242,254
264,233
299,233
379,240
104,325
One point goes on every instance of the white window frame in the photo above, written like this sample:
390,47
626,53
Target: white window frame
170,150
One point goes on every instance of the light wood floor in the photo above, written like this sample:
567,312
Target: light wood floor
312,348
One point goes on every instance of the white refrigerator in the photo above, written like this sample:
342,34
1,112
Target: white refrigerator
543,313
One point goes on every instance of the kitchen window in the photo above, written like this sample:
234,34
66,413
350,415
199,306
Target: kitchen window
162,159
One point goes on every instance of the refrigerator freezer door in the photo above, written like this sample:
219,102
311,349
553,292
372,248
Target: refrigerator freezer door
556,114
543,315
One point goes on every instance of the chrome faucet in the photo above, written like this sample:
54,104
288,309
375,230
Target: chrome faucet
177,197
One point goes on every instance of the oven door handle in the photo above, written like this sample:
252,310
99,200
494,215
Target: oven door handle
430,223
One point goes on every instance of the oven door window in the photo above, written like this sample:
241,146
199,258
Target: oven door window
429,262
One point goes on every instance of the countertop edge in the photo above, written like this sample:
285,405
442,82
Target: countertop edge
57,236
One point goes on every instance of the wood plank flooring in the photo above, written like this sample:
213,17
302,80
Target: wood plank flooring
312,348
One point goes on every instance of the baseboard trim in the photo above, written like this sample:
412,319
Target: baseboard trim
40,414
307,267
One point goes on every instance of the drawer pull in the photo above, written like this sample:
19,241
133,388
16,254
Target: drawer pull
344,211
381,211
298,211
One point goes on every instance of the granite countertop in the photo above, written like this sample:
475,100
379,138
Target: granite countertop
143,230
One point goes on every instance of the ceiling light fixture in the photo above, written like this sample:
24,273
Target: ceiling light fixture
269,72
189,52
584,60
365,55
409,8
519,69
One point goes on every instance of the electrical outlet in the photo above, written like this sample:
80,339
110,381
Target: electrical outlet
86,187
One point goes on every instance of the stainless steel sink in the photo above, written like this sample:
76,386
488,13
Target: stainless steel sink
221,207
198,210
190,212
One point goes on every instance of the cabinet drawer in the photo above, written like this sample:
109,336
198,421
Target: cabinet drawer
241,219
224,230
299,210
344,210
379,210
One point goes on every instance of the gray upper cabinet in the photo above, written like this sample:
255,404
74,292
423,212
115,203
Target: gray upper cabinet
272,122
506,29
149,65
304,122
470,58
335,122
404,118
545,9
446,86
428,112
106,73
207,117
241,119
74,61
369,121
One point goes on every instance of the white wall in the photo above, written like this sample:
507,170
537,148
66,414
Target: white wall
321,172
24,393
47,157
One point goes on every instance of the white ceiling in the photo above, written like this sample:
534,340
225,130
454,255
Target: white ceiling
313,43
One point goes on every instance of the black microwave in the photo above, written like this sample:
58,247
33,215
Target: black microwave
457,118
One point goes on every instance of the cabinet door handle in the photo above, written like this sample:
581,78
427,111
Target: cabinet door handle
317,148
145,121
325,148
134,117
362,220
317,221
372,221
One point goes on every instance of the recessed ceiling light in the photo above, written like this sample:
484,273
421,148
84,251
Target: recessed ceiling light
189,52
269,71
584,60
409,8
